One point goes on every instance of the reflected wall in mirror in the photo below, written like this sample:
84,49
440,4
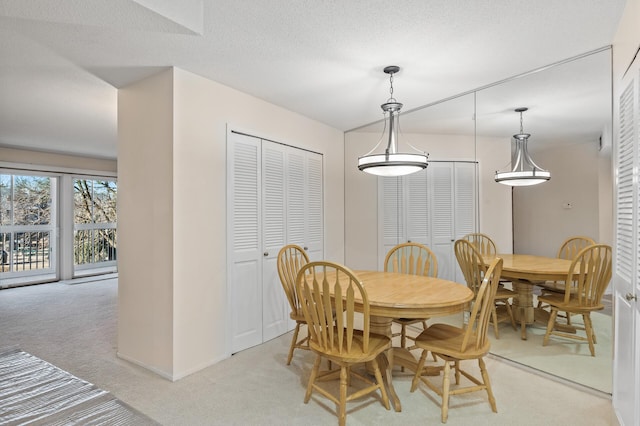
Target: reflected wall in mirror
569,119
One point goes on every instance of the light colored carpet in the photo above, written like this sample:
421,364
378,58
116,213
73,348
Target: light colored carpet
566,358
74,328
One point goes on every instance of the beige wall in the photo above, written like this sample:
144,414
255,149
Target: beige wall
37,160
145,223
542,220
361,205
190,168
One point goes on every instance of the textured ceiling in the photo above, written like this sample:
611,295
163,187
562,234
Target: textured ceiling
63,60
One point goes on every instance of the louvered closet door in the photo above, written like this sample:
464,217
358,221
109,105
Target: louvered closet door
274,198
432,207
244,251
275,309
314,219
466,214
626,272
391,223
441,188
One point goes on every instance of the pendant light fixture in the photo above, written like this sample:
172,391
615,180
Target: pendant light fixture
524,171
391,162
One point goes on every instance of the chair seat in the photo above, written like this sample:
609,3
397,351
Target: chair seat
377,344
504,293
446,340
557,300
297,317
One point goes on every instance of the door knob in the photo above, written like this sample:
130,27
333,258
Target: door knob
630,297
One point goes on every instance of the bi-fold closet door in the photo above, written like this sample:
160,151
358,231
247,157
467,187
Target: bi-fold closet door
274,198
433,207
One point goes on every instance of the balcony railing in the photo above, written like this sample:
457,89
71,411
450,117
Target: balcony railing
25,251
94,244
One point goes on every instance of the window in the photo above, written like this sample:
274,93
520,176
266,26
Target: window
95,221
27,226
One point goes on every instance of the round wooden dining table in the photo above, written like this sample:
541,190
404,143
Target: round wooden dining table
524,271
394,295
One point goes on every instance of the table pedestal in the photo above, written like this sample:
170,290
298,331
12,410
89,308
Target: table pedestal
523,310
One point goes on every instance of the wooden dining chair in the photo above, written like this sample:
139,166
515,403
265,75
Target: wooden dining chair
339,341
485,245
455,344
472,265
568,250
415,259
290,260
587,280
482,242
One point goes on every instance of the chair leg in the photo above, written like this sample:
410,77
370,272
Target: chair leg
511,316
550,325
342,407
383,391
588,328
446,383
457,372
293,343
494,317
403,336
487,383
416,377
312,378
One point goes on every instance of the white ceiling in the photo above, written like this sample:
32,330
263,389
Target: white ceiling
63,60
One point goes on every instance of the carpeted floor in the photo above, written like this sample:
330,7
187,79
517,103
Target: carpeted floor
74,328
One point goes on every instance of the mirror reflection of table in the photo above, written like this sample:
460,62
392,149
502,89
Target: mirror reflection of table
393,295
524,271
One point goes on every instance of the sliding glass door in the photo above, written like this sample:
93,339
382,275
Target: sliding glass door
28,224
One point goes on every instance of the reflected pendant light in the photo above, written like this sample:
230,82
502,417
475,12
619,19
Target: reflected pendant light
524,171
391,162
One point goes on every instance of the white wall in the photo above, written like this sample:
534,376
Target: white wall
542,220
192,237
361,205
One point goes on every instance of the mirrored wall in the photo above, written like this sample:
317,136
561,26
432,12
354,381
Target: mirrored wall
569,119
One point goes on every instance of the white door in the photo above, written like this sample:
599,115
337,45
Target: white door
275,308
626,280
441,185
244,240
274,198
314,196
432,207
390,216
466,213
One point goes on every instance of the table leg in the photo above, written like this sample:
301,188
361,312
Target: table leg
523,305
382,325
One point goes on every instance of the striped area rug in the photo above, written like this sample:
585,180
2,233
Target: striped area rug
34,392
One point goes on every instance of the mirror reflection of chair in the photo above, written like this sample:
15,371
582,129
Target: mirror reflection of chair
568,250
472,265
290,260
483,243
454,344
416,259
339,342
588,278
